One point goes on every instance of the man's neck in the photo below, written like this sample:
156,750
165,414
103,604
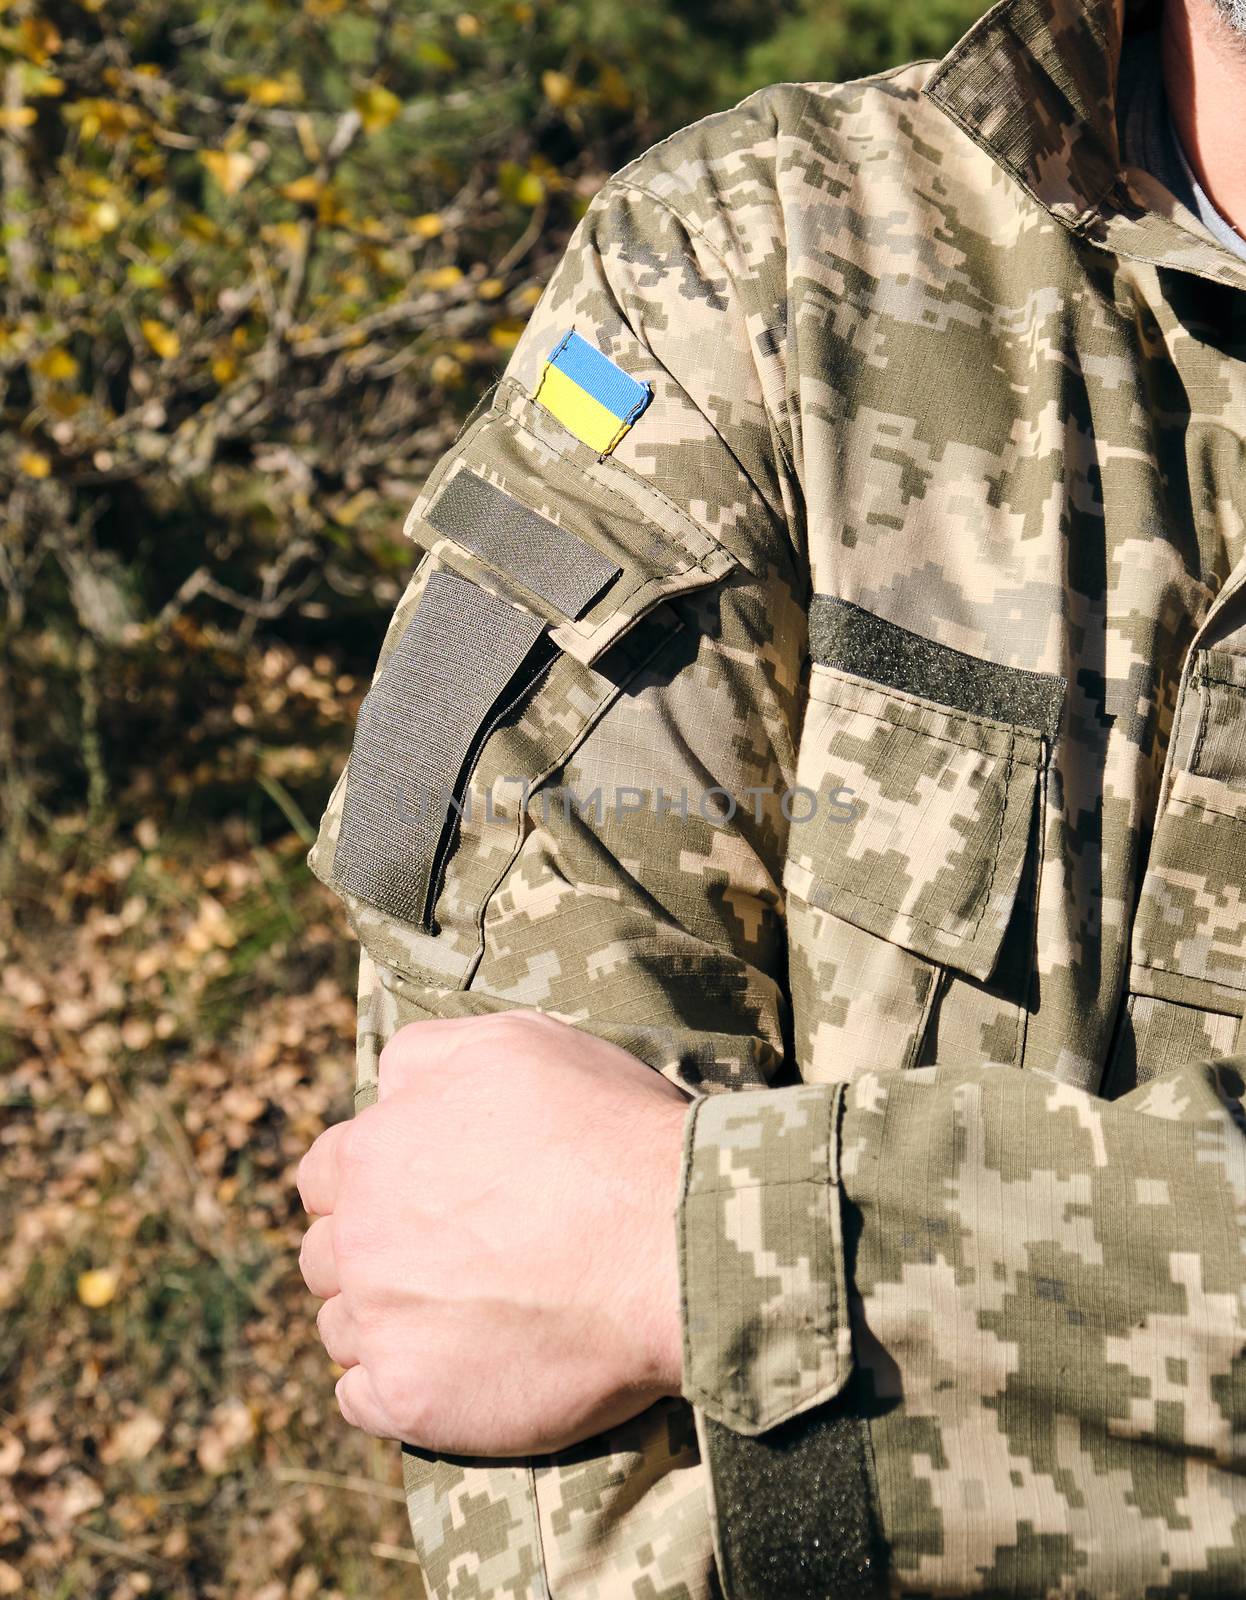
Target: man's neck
1205,78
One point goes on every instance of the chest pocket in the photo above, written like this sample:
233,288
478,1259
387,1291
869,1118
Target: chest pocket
1188,974
549,578
912,854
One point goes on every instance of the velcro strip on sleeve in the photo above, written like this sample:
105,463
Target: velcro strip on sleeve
798,1508
550,560
416,737
847,637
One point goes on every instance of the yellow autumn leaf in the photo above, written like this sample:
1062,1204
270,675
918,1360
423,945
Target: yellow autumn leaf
99,118
196,226
490,288
427,226
435,55
34,463
308,142
558,88
58,365
442,277
284,235
330,212
98,1287
161,338
285,90
65,403
445,370
145,275
230,168
40,39
45,83
349,512
97,1100
303,189
518,183
224,369
14,117
377,107
505,334
467,26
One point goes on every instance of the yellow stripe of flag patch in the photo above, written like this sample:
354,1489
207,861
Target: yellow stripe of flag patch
589,394
579,413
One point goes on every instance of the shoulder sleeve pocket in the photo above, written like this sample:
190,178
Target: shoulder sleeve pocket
920,767
519,628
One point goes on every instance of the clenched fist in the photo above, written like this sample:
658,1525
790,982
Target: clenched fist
495,1238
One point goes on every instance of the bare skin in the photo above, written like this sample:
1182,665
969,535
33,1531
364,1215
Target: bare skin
1204,53
495,1243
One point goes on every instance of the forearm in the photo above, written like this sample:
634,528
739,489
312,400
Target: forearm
1016,1309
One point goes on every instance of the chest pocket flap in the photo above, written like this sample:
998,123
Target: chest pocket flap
1187,938
921,765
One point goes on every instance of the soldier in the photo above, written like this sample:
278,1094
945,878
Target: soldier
797,835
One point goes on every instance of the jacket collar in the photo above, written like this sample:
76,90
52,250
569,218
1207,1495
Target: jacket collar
1034,83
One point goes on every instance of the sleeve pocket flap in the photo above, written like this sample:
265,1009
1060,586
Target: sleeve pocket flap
522,509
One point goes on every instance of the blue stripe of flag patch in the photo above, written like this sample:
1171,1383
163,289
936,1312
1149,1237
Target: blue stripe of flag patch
598,376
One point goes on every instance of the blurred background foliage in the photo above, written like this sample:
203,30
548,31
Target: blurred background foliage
259,259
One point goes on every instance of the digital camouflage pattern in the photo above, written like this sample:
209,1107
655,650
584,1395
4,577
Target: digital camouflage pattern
929,345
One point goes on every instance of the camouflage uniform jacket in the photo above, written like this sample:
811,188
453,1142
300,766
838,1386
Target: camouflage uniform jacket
856,722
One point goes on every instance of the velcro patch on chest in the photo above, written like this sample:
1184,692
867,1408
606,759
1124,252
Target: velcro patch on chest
589,394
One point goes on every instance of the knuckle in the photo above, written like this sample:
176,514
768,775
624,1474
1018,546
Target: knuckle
328,1321
535,1022
516,1028
401,1394
353,1235
400,1044
356,1148
342,1396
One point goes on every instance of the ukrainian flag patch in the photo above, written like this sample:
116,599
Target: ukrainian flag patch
589,394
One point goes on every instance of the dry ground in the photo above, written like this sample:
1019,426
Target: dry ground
175,1028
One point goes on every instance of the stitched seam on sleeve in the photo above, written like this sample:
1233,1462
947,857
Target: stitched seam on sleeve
697,233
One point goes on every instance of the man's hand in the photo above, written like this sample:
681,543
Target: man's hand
495,1243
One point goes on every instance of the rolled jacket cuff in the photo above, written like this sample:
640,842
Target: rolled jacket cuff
766,1331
